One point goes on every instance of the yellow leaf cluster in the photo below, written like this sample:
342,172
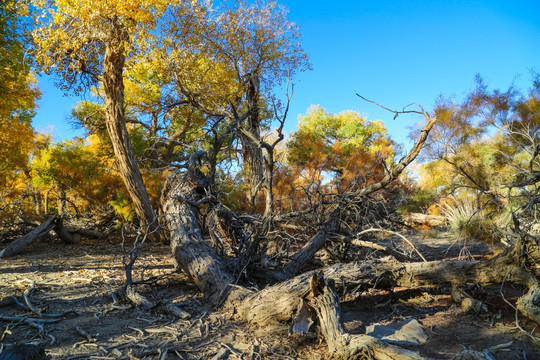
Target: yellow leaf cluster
71,35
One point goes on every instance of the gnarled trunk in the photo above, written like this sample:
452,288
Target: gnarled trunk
189,248
343,345
279,302
251,150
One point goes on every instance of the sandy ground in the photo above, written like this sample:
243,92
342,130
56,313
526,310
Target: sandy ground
77,278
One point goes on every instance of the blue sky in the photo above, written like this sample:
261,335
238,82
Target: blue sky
394,52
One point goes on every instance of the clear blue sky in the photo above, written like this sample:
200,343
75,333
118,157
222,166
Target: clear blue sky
394,52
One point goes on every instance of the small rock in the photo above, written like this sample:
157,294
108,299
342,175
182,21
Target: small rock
406,332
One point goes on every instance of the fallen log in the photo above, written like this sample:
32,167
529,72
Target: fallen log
278,303
62,232
54,223
16,246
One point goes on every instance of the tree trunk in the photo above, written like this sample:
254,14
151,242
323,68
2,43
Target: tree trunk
251,150
16,246
62,232
46,201
279,302
37,202
191,252
268,182
60,198
113,85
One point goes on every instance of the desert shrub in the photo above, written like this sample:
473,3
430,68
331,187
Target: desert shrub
469,222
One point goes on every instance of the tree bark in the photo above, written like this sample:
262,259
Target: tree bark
191,252
113,85
46,201
62,232
60,198
343,345
268,182
16,246
251,150
278,303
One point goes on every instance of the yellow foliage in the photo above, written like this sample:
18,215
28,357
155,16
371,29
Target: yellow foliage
71,36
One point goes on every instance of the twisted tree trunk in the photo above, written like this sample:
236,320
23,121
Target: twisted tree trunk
343,345
181,198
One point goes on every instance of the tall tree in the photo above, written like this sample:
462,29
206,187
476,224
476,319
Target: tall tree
90,41
241,54
344,147
18,96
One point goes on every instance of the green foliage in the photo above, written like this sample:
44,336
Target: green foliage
123,207
345,145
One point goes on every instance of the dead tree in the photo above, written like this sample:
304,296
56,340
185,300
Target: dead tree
54,223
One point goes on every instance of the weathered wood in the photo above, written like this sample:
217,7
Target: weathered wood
62,232
278,303
192,253
94,234
343,345
16,246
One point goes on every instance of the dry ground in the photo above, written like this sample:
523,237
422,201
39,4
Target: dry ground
77,278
